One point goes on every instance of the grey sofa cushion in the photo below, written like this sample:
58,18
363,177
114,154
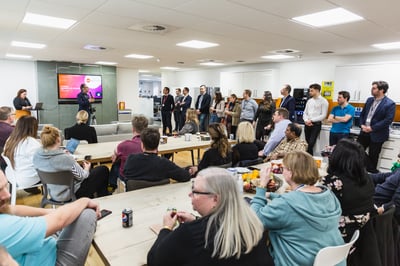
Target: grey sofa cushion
124,128
106,129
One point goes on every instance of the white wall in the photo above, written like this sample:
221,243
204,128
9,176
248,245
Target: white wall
128,92
15,75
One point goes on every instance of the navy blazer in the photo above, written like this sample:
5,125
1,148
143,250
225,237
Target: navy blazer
289,104
380,122
205,103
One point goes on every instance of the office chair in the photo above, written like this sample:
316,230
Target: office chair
61,178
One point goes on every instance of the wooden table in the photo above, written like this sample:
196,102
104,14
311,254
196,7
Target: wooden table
102,152
129,246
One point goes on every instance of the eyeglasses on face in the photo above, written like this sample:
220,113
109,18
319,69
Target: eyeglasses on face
200,192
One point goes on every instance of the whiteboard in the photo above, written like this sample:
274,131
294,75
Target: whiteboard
357,79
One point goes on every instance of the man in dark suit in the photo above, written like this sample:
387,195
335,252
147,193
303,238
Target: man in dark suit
177,109
375,119
167,106
185,104
288,101
203,107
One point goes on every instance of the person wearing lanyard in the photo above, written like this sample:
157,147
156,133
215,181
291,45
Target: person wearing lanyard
375,120
315,111
166,110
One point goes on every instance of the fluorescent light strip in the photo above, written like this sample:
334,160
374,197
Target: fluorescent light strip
387,46
169,68
277,56
28,45
48,21
328,18
139,56
106,63
211,64
143,71
197,44
19,56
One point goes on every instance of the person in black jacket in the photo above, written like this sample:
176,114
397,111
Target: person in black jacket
288,101
148,165
227,233
202,107
81,131
167,106
85,100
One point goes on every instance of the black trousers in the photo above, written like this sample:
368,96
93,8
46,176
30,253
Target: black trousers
312,133
166,121
374,149
96,182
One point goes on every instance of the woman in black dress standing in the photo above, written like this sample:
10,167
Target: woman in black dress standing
265,110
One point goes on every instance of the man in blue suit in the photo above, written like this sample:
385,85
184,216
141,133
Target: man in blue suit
375,119
288,101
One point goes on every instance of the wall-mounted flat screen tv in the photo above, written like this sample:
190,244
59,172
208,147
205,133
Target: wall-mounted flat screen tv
69,86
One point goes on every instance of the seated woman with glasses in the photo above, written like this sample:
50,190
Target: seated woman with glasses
227,233
51,158
302,221
220,152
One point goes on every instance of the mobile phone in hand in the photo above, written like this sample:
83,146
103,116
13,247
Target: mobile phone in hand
104,213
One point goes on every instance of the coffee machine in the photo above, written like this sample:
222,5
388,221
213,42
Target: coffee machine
300,96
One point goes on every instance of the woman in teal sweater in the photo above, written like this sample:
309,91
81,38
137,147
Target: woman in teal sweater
300,222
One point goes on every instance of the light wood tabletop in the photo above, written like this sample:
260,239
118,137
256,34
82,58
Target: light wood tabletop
102,152
129,246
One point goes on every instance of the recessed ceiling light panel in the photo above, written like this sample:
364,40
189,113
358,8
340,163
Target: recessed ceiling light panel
106,63
139,56
328,18
277,56
387,46
48,21
28,45
169,68
197,44
22,56
211,64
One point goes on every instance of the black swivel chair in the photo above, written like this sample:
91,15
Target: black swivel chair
61,178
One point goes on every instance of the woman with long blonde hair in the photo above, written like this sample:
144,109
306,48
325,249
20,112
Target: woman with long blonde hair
228,232
191,124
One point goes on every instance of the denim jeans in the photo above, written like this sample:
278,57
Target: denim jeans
214,118
74,241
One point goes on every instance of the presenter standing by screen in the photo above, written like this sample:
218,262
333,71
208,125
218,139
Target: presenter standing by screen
85,100
22,104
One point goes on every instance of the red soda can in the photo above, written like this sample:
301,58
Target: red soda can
127,215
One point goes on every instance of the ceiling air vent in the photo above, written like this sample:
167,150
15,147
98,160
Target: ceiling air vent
286,51
152,28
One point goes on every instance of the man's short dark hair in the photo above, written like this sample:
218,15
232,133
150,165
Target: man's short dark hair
345,94
139,123
186,89
203,86
315,86
5,112
150,138
293,127
248,92
381,85
178,89
166,89
283,112
288,88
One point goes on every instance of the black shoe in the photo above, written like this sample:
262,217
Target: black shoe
33,190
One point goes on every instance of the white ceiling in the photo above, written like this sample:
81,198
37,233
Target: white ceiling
245,30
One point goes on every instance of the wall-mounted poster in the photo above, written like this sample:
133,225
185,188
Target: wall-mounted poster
327,89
